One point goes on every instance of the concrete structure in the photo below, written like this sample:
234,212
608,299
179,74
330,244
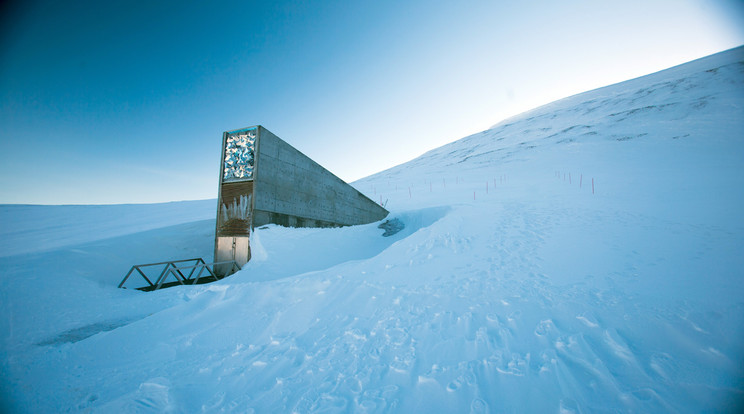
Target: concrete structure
265,180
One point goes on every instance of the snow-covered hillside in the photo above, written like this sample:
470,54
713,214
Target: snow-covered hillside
582,257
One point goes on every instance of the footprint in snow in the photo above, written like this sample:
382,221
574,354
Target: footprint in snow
544,327
328,403
454,386
493,319
514,316
397,336
478,406
517,365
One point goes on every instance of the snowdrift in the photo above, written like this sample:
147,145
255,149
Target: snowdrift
581,257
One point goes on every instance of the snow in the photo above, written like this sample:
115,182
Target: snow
34,228
582,257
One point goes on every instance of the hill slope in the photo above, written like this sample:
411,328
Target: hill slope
581,257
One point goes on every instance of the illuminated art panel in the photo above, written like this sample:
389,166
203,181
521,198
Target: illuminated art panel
239,155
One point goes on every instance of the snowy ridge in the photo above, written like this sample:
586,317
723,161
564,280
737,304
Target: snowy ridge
674,97
582,257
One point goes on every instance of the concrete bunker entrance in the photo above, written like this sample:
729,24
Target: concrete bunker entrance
264,180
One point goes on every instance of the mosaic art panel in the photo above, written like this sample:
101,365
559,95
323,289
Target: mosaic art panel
239,156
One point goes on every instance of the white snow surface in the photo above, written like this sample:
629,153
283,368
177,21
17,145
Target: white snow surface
585,256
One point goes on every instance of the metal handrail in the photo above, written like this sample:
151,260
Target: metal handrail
177,272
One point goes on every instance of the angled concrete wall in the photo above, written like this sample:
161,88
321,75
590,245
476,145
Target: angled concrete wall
293,190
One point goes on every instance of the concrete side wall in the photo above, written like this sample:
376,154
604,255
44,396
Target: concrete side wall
291,189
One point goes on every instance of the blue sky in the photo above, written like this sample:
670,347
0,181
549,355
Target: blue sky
126,102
